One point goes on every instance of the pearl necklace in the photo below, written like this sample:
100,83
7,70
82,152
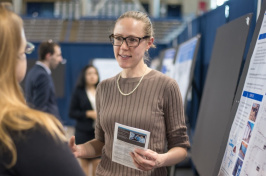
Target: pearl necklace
126,94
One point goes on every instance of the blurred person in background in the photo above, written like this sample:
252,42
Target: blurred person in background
32,143
138,97
83,110
39,86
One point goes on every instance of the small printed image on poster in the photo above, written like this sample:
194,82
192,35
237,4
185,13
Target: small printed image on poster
238,167
242,150
248,131
254,112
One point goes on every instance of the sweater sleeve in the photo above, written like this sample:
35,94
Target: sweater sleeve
75,111
99,133
40,154
176,130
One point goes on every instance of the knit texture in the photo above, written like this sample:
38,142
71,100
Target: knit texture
156,106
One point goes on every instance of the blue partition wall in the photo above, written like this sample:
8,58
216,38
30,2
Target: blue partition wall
206,25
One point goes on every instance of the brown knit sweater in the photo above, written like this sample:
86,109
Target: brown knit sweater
155,106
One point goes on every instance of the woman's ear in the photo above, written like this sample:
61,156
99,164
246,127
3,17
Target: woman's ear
150,42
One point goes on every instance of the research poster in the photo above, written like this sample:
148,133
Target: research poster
168,61
183,63
245,153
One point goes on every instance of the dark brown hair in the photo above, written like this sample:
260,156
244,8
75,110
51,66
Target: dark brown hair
45,48
81,83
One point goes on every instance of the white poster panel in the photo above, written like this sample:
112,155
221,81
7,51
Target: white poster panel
245,152
107,68
168,61
183,63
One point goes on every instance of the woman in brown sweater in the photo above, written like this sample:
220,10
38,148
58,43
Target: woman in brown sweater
138,97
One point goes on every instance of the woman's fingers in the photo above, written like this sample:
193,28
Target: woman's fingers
143,162
149,154
136,163
139,166
71,143
73,146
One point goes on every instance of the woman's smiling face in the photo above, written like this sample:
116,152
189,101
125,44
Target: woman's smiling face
130,57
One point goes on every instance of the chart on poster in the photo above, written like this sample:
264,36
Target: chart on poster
246,146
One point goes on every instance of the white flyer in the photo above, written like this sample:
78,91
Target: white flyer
126,139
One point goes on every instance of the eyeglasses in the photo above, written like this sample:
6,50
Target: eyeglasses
29,48
130,41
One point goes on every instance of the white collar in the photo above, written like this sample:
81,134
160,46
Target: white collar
47,69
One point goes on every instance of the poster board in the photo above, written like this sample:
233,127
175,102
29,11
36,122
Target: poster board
155,64
168,61
184,65
245,151
218,94
107,67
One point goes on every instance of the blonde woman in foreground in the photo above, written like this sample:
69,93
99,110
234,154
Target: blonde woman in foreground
32,143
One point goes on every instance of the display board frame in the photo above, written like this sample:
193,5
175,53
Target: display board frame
218,94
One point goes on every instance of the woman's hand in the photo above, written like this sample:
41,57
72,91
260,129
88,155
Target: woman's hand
74,148
147,159
90,149
91,114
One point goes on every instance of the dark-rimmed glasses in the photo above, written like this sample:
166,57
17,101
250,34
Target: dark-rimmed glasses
130,41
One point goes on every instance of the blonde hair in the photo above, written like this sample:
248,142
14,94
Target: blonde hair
15,115
143,17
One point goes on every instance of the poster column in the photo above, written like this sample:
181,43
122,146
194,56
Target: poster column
183,65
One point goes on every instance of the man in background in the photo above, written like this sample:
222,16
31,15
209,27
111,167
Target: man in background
39,86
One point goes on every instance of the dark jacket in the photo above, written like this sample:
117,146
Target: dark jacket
80,103
38,154
40,91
